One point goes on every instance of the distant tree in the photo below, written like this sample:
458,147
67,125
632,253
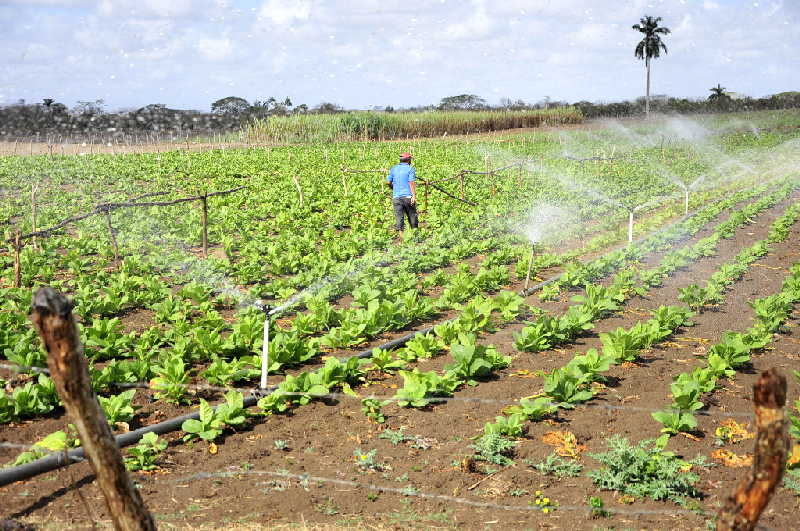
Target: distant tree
327,108
649,47
388,108
301,109
232,106
462,102
47,102
718,93
89,108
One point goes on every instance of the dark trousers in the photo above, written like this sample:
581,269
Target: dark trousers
402,209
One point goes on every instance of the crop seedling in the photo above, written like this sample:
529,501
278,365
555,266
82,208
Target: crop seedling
371,407
366,460
212,422
494,448
394,436
143,456
644,471
557,466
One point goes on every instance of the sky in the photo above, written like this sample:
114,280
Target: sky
366,53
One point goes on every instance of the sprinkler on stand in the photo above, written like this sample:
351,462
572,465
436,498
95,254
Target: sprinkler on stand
268,313
630,221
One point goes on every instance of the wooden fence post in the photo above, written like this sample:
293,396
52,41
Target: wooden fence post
743,508
52,315
204,217
112,234
34,189
17,264
300,195
344,183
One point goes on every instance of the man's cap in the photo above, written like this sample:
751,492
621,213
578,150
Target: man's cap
405,155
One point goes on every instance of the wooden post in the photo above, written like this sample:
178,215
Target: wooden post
34,189
425,196
52,315
17,265
112,234
204,218
461,184
300,195
743,508
344,183
530,265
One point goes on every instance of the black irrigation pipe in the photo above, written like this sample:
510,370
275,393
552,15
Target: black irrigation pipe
445,192
62,459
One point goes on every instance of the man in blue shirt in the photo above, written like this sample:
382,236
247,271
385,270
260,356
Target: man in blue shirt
402,180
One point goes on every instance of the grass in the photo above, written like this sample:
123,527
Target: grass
389,126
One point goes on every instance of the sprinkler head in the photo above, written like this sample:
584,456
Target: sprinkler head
262,306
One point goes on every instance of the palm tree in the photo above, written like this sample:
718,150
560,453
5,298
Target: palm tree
717,93
649,47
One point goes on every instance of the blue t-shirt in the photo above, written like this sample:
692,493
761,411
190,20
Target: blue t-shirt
400,175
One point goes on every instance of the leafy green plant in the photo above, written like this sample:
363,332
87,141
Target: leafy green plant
568,386
645,471
371,407
171,379
383,361
212,422
510,426
118,408
394,436
494,448
555,465
143,456
474,361
421,388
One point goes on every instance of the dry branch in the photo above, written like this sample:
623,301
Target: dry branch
52,315
743,508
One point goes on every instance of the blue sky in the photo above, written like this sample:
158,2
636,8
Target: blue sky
363,53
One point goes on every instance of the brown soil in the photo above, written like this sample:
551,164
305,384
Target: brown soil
245,483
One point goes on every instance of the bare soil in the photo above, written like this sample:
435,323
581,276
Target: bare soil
429,481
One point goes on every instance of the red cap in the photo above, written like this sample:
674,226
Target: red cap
405,155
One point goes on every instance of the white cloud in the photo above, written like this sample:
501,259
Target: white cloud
478,25
284,12
215,49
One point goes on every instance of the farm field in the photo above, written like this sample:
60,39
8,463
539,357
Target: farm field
503,410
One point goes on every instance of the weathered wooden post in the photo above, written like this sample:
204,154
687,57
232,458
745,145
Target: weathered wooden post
34,189
743,508
344,183
300,195
111,233
52,314
204,218
17,264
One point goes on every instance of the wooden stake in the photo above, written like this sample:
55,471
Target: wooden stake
112,235
344,184
743,508
33,214
461,184
17,265
425,196
300,195
204,217
530,265
52,315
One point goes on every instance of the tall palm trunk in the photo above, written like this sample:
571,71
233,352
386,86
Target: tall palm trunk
647,95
